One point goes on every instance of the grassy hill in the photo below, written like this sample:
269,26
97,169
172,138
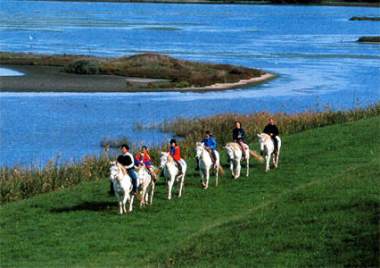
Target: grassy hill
320,208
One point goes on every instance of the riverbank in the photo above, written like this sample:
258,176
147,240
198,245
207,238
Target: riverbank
319,208
140,73
240,2
20,183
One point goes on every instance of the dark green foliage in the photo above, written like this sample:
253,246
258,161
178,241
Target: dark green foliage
366,18
296,1
113,143
369,39
83,67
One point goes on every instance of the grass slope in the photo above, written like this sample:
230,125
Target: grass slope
320,208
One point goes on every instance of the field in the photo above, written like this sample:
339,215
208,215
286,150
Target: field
320,208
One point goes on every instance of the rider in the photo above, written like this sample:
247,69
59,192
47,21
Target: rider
210,144
143,159
175,152
126,159
272,130
238,136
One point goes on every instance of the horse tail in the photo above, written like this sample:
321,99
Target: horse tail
255,155
220,170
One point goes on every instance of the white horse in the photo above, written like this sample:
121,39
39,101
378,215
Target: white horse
122,185
205,164
235,155
171,172
267,149
145,181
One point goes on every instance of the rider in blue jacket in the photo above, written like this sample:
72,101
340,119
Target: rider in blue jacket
210,144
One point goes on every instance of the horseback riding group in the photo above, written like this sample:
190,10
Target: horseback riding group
136,176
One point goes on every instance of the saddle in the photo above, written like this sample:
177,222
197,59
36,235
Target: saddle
178,164
212,155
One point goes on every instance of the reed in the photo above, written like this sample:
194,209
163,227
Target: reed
192,130
19,183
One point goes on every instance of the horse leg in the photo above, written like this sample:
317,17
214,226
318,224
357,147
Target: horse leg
267,158
217,174
121,207
170,186
125,199
202,177
152,192
146,199
238,169
232,168
277,157
142,201
131,198
118,197
207,177
247,165
181,184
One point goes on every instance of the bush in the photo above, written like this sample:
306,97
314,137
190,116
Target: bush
83,67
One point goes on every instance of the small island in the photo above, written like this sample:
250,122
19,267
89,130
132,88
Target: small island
369,39
365,18
138,73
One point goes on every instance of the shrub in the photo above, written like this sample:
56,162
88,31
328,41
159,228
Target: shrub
83,67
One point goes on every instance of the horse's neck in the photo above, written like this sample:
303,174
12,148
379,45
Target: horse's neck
122,173
268,145
204,153
171,167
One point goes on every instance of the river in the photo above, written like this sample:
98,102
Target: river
311,48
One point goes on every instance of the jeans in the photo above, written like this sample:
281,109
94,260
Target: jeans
132,173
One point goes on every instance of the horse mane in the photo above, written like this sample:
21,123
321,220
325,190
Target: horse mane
265,136
121,168
170,158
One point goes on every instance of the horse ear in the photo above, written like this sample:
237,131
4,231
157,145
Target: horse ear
259,135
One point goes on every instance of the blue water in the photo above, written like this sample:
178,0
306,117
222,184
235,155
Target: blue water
312,48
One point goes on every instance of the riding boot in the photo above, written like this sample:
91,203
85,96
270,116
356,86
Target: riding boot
152,174
179,166
213,158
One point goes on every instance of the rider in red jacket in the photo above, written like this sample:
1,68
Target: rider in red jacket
175,152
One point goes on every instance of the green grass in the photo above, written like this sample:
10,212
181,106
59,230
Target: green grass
320,208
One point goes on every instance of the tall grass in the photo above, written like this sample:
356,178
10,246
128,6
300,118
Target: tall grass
20,183
192,130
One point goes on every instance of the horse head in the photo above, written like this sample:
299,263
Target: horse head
199,147
114,170
230,151
263,139
164,157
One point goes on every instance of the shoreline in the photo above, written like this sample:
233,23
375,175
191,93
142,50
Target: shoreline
227,2
51,79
